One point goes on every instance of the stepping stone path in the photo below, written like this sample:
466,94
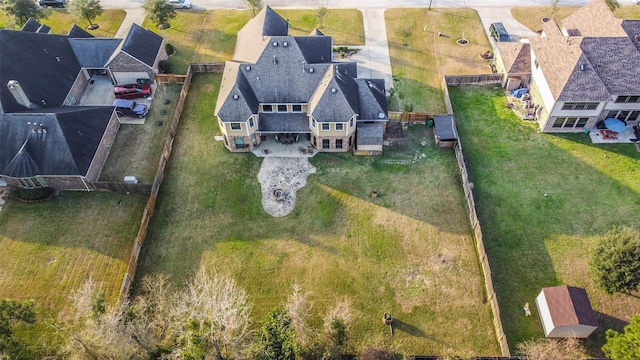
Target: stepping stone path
280,178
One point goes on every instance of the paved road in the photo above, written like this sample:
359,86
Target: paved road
358,4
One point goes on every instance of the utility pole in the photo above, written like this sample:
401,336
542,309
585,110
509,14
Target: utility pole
430,1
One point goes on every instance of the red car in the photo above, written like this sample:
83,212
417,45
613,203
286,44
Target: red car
132,91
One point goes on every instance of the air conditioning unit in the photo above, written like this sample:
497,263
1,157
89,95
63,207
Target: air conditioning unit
130,180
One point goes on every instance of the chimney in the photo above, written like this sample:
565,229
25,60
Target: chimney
19,95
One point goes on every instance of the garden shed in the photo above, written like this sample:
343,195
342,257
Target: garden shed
565,311
445,131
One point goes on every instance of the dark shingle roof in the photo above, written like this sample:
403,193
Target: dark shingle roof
336,98
373,101
142,44
44,29
94,52
67,147
445,127
616,60
241,101
315,49
369,134
632,28
255,35
77,32
569,305
46,69
289,122
31,25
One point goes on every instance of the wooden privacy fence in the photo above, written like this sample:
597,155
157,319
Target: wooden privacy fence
164,157
467,185
406,116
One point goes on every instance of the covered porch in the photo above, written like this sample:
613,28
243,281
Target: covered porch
269,147
604,136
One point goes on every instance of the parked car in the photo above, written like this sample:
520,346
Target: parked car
132,91
131,108
498,32
180,4
52,3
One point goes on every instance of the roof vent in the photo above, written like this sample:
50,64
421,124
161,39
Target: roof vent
58,58
236,97
380,115
333,90
583,67
285,44
370,84
275,60
310,69
275,43
247,68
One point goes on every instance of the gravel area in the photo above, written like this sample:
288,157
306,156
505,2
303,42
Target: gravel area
280,178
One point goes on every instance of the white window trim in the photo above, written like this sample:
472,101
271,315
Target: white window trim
231,126
328,125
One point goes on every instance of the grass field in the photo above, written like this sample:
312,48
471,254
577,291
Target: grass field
142,144
409,251
210,36
50,248
61,22
419,66
535,241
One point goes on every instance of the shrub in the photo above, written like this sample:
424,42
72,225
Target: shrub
169,49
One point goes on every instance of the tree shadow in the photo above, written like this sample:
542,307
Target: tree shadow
599,337
408,328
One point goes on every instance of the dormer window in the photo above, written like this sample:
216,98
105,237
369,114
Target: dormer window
282,108
236,126
296,108
267,108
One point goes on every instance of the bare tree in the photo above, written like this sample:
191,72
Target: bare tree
299,307
255,6
322,14
213,315
557,349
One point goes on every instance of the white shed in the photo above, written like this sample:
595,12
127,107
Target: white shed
565,311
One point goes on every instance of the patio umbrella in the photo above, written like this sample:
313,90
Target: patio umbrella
615,125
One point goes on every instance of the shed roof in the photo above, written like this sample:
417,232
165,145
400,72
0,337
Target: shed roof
445,128
369,133
569,305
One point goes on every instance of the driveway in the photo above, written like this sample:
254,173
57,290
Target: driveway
373,58
490,15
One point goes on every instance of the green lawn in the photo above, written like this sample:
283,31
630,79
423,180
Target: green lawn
409,251
50,248
61,22
210,36
535,241
419,66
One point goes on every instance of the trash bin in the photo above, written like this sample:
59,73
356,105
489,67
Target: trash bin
142,81
430,123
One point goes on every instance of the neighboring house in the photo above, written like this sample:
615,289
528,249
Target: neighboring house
44,139
582,71
280,86
565,311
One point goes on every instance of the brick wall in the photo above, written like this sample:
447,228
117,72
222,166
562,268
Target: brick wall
103,149
79,87
124,62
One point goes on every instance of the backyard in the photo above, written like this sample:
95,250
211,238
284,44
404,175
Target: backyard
542,200
409,251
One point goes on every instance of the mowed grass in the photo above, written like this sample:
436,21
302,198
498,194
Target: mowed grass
530,16
201,36
50,248
419,66
408,252
142,144
61,21
535,241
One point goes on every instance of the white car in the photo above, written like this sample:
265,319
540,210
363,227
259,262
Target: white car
180,4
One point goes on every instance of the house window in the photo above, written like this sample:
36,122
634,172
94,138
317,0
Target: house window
267,108
236,126
351,123
338,143
350,140
624,115
325,143
628,99
313,123
570,122
239,141
30,184
251,123
296,108
339,127
325,126
282,108
580,106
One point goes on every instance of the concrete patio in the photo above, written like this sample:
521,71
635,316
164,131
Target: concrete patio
271,148
625,137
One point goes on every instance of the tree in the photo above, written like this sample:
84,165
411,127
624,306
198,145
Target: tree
615,261
336,325
255,6
159,12
557,349
213,317
625,346
86,9
554,6
612,4
321,14
19,11
276,339
11,312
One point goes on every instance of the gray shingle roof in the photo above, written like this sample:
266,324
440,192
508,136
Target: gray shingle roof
66,148
369,134
94,52
142,44
240,101
632,28
616,61
336,98
77,32
46,69
44,29
255,35
315,49
289,122
445,127
31,25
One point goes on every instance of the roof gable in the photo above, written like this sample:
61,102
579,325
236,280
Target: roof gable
32,25
335,99
94,52
255,35
593,19
569,305
142,44
516,57
77,32
372,99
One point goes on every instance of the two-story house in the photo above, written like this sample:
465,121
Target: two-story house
289,89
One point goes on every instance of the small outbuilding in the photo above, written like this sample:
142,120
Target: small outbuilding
445,131
565,311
